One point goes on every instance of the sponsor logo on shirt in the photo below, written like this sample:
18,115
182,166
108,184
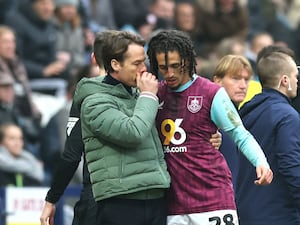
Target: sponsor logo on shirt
71,124
175,149
174,134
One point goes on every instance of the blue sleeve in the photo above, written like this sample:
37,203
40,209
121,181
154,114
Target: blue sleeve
288,154
226,117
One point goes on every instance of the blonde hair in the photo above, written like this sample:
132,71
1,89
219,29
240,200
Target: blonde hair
232,64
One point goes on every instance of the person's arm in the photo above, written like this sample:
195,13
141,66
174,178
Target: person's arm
226,117
70,157
66,168
288,155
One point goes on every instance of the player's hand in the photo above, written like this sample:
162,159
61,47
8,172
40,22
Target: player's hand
216,140
264,175
47,216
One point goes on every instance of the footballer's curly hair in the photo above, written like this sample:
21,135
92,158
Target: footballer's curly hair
172,40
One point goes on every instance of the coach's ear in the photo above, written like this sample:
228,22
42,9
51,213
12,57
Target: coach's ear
115,65
93,59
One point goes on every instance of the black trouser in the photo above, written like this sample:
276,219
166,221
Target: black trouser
119,211
85,210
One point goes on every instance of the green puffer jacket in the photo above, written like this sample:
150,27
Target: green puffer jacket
123,150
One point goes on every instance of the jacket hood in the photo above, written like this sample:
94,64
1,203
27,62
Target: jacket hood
89,86
260,103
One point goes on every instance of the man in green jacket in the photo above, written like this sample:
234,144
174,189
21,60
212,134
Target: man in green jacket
124,154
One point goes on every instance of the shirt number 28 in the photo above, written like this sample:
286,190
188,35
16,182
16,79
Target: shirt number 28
227,219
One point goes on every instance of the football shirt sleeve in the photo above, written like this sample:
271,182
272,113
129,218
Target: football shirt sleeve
226,117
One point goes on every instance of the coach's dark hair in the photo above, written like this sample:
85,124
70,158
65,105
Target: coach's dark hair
172,40
100,40
117,45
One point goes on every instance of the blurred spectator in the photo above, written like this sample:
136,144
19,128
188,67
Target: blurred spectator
10,112
11,65
257,43
36,44
184,16
151,12
7,96
89,37
99,15
185,20
227,46
144,25
70,38
164,11
5,8
226,18
267,16
18,167
125,11
231,45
